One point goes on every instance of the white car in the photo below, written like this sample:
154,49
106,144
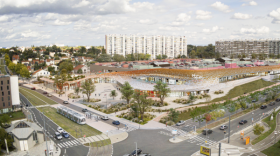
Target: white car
181,122
104,118
60,130
58,136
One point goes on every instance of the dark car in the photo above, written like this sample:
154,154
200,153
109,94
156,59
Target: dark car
33,88
277,100
65,102
139,151
116,122
263,106
84,110
254,100
209,131
242,122
145,154
44,92
65,134
271,103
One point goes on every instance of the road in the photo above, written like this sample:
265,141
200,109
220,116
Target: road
69,146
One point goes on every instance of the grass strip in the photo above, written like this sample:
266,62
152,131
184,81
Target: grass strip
99,143
271,124
272,150
41,97
15,115
34,100
68,125
245,88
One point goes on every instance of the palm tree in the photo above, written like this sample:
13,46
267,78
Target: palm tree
113,94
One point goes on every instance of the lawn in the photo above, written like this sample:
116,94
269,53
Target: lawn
271,124
37,98
245,88
2,69
68,124
186,115
99,143
15,115
272,150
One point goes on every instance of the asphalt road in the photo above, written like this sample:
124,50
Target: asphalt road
69,146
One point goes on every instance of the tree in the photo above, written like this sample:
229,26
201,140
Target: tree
77,90
173,114
243,105
51,69
258,129
141,102
159,57
127,91
113,94
5,119
4,135
193,54
88,88
12,67
83,50
18,68
118,58
254,56
59,81
162,90
67,65
194,113
184,56
80,71
104,58
24,72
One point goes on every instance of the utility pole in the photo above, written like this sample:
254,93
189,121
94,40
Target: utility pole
45,136
220,144
136,148
229,128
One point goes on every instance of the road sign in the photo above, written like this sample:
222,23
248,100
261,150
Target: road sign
205,141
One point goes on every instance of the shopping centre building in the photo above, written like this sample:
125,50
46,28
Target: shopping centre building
182,82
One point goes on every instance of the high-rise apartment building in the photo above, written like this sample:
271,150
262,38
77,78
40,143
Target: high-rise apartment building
9,93
248,47
154,45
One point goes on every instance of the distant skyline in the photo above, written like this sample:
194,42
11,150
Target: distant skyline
86,22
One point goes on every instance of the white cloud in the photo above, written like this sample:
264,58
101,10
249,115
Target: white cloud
200,24
241,16
21,3
252,3
214,29
4,18
203,15
30,33
58,22
171,28
81,4
221,7
147,21
275,14
116,7
143,5
183,17
261,30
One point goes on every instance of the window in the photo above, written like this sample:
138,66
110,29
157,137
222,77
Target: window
8,81
2,98
9,93
3,104
1,88
2,93
8,97
1,82
34,136
9,103
8,87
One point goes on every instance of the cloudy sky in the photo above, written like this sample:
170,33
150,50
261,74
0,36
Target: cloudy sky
85,22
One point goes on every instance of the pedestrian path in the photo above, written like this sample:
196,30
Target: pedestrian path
179,132
68,144
128,129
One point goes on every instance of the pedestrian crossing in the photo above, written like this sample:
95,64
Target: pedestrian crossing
198,140
179,132
127,129
69,144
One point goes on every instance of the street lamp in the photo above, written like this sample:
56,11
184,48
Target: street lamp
252,119
275,133
139,123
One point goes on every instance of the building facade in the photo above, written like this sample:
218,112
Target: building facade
228,48
154,45
9,93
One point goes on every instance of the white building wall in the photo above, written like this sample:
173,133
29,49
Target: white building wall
154,45
14,90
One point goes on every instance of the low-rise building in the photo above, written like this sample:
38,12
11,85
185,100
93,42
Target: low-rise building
40,73
49,61
84,68
15,59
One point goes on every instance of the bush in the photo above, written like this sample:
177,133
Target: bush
92,100
170,123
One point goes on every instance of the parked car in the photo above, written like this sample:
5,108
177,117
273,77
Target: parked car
65,102
254,100
209,131
44,92
181,122
145,154
58,136
271,103
116,122
65,134
277,100
33,88
223,127
139,151
84,110
104,118
60,130
242,122
263,107
49,95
